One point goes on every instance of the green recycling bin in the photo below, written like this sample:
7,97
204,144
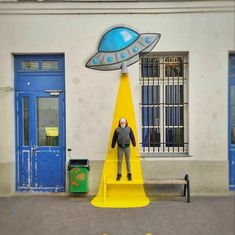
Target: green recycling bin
78,175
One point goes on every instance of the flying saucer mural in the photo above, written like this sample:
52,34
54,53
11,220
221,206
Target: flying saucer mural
119,45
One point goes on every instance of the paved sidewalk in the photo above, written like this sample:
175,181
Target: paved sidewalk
34,215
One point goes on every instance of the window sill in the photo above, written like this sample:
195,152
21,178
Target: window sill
164,155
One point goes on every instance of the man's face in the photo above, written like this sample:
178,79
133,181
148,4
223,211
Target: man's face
123,123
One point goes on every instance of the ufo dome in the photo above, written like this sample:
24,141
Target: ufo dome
117,39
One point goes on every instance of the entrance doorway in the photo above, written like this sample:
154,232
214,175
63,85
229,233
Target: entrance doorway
231,122
40,123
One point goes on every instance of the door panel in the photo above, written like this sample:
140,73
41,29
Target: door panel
41,147
232,169
231,122
24,178
231,138
49,150
48,163
23,162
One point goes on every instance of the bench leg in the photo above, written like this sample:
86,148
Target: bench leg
187,187
188,193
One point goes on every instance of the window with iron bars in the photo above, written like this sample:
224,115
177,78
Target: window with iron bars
164,102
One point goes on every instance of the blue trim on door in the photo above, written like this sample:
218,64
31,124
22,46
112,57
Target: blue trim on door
34,83
231,123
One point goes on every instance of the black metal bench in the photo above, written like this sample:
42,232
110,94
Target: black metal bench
184,182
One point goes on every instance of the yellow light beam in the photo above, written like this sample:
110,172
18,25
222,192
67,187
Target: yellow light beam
122,194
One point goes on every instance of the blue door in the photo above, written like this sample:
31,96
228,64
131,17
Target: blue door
40,123
231,120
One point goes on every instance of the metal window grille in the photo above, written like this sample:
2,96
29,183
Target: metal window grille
164,102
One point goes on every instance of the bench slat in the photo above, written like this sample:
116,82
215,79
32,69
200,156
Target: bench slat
112,181
165,181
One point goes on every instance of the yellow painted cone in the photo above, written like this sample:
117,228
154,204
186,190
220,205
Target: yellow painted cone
123,193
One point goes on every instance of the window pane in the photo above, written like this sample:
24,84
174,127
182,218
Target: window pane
174,94
30,65
151,137
26,121
232,115
232,67
50,65
164,102
174,116
233,135
48,121
174,67
174,137
150,95
151,116
150,67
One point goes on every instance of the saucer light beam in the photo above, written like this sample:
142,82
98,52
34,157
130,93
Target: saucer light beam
119,48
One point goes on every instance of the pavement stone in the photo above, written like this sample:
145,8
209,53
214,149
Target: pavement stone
60,215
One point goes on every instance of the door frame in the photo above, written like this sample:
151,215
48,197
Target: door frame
20,89
230,145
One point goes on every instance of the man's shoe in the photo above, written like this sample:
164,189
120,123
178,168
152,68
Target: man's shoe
118,177
129,177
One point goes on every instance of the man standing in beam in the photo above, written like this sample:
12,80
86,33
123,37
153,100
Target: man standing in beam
123,135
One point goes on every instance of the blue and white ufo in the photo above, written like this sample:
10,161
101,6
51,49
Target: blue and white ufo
119,45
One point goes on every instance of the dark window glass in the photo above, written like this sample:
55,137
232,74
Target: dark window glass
232,66
151,116
232,115
151,137
30,65
164,102
150,67
174,137
174,67
50,65
150,95
232,95
174,116
233,135
174,94
48,121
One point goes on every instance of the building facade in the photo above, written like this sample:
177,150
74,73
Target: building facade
183,91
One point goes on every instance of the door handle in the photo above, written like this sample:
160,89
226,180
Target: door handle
33,149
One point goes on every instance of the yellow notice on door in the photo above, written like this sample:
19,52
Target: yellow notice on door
52,131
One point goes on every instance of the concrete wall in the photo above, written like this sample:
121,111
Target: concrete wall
203,29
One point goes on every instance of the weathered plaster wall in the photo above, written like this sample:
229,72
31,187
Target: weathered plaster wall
90,95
